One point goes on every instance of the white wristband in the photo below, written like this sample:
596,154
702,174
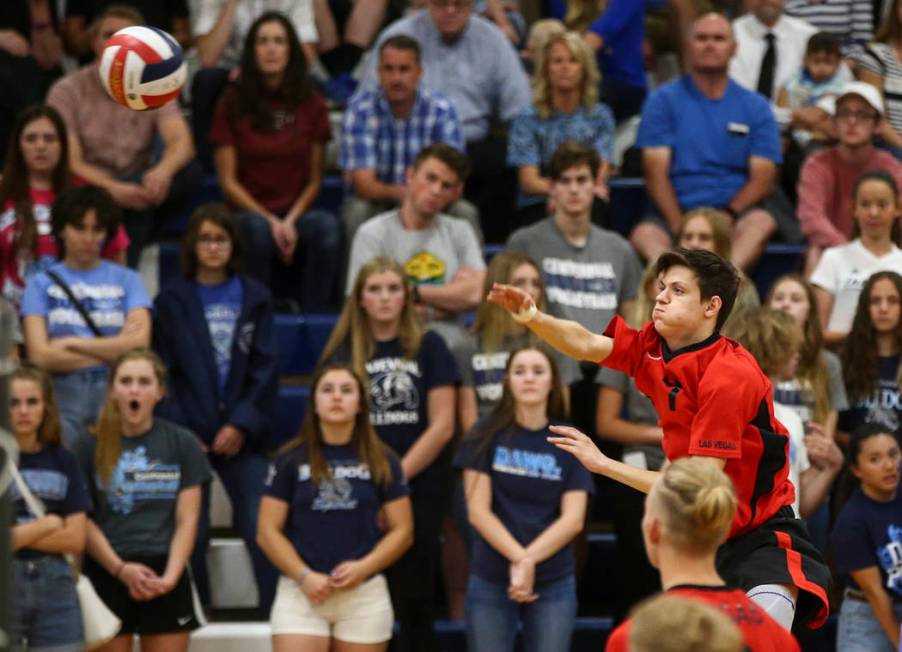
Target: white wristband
524,316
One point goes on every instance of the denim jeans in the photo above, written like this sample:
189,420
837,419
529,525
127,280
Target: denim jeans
492,617
243,477
79,395
858,629
47,613
316,260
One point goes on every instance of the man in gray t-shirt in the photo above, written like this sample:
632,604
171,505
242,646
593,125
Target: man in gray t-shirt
440,254
590,273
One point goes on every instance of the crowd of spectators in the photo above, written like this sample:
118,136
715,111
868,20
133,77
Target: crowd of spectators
457,124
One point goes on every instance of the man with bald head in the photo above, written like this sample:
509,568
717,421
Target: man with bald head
706,141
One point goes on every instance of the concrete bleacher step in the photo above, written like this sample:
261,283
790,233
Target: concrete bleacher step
590,635
232,584
220,505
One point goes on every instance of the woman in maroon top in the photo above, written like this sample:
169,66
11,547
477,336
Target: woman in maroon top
270,132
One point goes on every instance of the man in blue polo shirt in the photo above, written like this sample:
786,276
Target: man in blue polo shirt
384,129
706,141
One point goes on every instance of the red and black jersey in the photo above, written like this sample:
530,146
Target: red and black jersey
712,400
760,632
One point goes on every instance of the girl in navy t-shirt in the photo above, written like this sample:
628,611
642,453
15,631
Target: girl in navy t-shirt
871,356
319,522
47,612
526,500
867,545
412,377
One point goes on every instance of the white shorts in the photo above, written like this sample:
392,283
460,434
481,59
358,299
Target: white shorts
361,615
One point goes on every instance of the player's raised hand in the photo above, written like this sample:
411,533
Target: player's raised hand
579,445
512,299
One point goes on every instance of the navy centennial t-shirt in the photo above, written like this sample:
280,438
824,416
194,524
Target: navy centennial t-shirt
136,511
336,520
869,533
883,407
53,476
222,308
528,477
399,392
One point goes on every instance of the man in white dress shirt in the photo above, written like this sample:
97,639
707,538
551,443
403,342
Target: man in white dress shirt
752,66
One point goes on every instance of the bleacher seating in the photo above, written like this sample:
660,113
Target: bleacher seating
289,414
300,340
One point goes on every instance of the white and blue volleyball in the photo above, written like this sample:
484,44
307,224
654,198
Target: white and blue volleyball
142,67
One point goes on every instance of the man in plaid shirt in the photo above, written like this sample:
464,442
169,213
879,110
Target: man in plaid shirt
383,130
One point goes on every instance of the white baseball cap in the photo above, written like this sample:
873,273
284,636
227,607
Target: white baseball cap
867,92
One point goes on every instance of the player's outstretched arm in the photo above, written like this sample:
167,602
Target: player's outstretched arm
584,449
568,337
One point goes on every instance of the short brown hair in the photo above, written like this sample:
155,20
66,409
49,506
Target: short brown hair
216,213
571,154
401,42
71,206
453,158
125,12
716,277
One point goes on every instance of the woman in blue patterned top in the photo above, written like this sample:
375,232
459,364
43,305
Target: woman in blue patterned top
565,108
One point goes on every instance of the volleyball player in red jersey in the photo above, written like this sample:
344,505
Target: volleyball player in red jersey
713,401
687,516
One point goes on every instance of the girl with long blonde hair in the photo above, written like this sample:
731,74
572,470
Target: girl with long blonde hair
412,377
565,108
817,393
482,357
319,523
145,476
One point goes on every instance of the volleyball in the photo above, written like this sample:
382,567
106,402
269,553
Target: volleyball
142,67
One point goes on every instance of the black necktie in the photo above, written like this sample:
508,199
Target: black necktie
768,63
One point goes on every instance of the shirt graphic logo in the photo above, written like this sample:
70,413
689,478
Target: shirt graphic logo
135,478
890,557
528,464
425,267
335,494
580,285
394,397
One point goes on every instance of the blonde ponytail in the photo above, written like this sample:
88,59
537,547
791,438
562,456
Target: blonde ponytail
698,502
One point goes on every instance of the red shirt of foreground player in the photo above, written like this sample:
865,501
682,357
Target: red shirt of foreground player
760,632
712,400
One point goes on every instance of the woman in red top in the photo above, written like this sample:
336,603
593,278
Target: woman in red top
270,132
36,171
688,513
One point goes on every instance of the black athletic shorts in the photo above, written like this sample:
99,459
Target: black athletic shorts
780,552
176,611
